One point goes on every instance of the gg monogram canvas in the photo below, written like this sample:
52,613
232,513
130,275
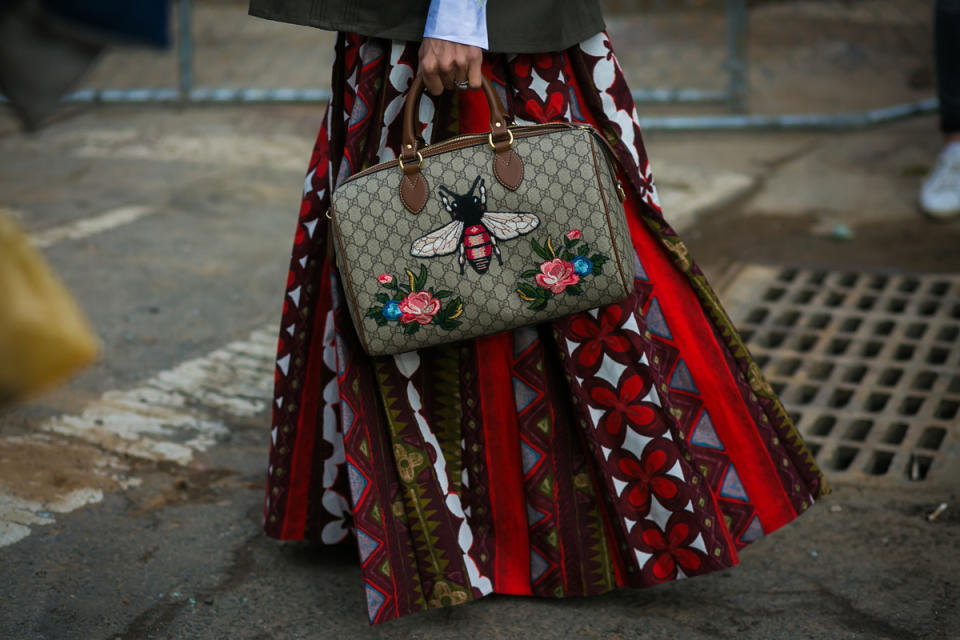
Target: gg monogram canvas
479,257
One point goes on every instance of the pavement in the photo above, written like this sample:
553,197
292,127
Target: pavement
130,498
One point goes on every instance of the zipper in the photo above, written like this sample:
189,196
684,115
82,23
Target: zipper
474,139
468,140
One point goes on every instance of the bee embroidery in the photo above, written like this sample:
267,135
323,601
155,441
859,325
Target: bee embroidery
473,230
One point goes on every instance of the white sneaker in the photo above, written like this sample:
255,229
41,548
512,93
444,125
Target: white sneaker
940,194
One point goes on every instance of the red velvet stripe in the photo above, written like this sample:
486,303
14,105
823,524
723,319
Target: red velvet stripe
501,435
474,112
303,449
501,432
700,351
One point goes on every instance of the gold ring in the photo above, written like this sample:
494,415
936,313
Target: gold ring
490,139
419,161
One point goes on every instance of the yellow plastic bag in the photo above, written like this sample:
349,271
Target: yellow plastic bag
44,336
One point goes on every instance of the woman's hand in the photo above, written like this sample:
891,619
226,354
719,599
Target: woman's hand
444,63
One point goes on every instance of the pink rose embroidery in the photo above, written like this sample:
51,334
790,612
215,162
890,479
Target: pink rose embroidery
420,307
573,234
385,278
556,275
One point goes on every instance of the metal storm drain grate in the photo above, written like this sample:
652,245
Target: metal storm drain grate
868,364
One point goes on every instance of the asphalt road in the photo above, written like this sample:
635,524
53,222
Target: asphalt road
130,500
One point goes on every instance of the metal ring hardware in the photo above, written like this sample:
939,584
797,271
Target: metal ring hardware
490,139
419,161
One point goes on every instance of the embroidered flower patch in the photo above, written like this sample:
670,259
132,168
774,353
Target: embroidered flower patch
414,305
563,272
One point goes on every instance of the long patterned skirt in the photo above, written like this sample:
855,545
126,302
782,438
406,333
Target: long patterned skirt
626,446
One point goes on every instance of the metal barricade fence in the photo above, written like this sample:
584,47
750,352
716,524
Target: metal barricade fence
694,64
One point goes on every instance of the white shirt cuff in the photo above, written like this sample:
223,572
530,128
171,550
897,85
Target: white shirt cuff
461,21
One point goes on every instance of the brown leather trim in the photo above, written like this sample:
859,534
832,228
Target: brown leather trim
413,191
607,147
612,164
345,277
465,141
606,211
508,168
411,108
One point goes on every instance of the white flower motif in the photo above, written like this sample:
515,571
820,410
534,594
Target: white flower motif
336,505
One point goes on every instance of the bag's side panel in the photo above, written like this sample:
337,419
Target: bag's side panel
617,218
355,314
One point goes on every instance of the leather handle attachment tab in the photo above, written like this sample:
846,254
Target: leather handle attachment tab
507,166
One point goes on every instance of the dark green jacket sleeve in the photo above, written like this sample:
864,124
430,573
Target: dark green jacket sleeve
513,26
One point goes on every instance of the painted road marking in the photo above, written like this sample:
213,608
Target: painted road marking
170,417
18,515
277,151
93,225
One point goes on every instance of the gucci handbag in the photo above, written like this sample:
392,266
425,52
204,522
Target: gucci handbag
480,233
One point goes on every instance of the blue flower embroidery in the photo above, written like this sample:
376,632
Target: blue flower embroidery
566,270
391,310
414,305
582,266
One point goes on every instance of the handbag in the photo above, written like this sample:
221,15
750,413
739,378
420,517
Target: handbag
480,233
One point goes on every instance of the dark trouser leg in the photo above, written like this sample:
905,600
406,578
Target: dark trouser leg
948,63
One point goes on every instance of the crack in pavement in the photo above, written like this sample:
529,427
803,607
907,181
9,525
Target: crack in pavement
854,619
155,618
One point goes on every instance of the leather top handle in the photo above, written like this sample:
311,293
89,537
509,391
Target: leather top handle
411,111
507,165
